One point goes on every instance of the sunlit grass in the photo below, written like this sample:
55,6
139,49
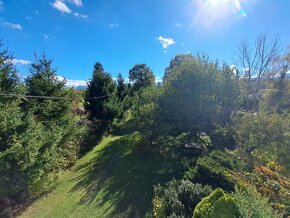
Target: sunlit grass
113,180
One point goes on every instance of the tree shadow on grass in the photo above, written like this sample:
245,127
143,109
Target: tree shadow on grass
125,176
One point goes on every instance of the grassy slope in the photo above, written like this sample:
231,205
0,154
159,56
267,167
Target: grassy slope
113,180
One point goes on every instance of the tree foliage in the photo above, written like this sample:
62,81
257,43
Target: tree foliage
141,76
175,62
42,81
198,95
38,137
264,137
101,99
251,204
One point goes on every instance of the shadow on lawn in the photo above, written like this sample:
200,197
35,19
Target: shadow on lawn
125,176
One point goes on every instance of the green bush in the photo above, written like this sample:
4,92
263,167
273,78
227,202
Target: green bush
264,137
212,170
225,159
217,205
178,198
251,204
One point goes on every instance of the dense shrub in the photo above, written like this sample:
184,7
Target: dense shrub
263,138
145,114
217,205
251,204
212,170
38,137
34,155
178,198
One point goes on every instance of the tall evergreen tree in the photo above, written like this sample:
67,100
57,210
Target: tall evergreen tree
43,82
122,88
101,99
9,79
9,84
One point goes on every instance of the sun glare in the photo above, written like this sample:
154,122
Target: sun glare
213,13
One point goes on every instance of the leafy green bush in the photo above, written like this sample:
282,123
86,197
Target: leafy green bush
217,205
264,137
251,204
178,198
212,170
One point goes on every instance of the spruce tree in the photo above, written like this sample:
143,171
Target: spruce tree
43,82
122,89
101,99
9,79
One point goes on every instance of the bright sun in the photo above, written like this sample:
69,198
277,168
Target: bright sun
212,13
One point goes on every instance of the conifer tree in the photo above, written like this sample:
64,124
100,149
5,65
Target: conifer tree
101,99
43,82
122,89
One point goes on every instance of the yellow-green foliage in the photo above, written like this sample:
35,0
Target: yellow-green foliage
158,208
217,205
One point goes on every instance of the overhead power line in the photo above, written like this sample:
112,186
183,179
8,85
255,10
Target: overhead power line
48,97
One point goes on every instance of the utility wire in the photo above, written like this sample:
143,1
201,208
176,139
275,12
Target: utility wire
48,97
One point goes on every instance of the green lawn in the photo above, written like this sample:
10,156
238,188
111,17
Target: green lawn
115,179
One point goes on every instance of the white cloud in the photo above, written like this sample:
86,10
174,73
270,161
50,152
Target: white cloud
61,6
28,18
165,42
36,12
81,15
76,2
20,62
72,83
11,25
114,25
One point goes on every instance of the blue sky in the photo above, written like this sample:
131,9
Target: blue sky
119,34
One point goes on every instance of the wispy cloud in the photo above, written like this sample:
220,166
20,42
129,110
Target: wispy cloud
166,42
28,18
178,25
1,5
76,2
114,25
45,36
81,15
61,6
20,62
10,25
72,83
